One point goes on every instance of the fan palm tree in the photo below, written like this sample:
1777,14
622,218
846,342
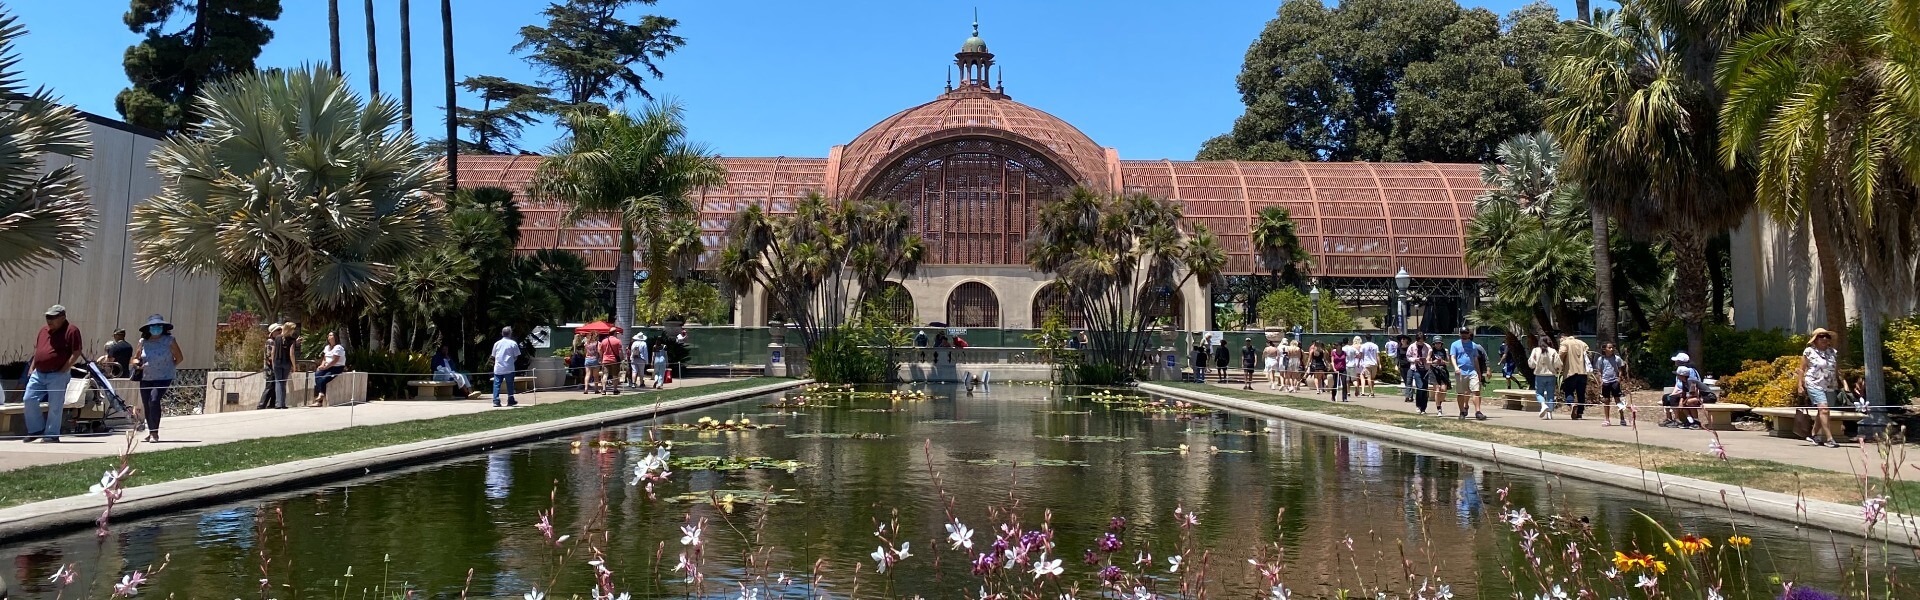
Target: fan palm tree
295,188
639,170
406,66
1635,108
45,214
1277,239
1531,229
1826,108
682,245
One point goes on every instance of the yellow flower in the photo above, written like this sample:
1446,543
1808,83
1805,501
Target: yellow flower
1660,567
1740,541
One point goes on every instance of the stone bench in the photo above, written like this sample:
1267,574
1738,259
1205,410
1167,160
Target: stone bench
1719,415
1519,400
1782,418
523,384
432,390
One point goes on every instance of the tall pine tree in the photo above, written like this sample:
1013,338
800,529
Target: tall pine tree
592,54
216,39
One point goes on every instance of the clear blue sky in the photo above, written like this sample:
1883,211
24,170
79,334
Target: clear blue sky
763,78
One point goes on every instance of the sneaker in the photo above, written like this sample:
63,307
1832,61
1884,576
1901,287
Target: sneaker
1814,441
31,440
1479,415
1830,443
1670,423
1623,421
496,405
512,402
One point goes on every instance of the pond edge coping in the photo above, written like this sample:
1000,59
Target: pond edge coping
61,515
1840,518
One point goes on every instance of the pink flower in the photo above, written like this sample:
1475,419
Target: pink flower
129,584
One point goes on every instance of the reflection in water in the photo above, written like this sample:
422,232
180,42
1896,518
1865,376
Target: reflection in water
1339,507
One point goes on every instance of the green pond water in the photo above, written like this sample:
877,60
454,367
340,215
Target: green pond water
1340,512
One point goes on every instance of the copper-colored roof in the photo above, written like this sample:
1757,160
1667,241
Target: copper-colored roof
1357,219
968,111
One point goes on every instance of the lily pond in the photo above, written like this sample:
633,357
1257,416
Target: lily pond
1020,491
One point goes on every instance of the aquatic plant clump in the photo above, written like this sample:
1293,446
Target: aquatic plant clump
1085,438
736,463
840,436
712,424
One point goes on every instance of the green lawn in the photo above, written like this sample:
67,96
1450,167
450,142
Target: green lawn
47,482
1767,475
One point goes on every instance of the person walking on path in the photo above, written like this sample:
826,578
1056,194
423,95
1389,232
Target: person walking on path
1338,356
1439,384
1470,359
637,361
333,362
1198,360
1370,365
117,355
660,365
1545,361
276,366
1398,348
1419,353
591,348
1573,373
1272,356
1247,357
1819,381
610,351
1509,362
157,362
505,353
1293,365
1317,366
56,350
1613,369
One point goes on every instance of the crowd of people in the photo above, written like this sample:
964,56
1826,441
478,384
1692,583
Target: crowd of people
58,353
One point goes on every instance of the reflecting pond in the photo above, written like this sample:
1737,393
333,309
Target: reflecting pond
804,516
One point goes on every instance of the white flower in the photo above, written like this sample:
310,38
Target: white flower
1175,561
1647,582
1044,567
747,593
1139,593
562,540
535,595
1714,594
1279,592
1016,553
690,535
880,556
1611,573
683,566
1559,594
107,479
959,535
1517,518
1446,592
902,553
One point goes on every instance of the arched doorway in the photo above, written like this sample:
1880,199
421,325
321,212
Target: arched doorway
1054,298
973,304
1166,304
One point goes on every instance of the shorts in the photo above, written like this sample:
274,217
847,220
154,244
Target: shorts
1438,377
1506,369
593,361
1470,381
1355,372
1273,365
1819,397
1611,390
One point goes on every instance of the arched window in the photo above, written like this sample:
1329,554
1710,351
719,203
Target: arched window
973,200
973,305
1166,303
1054,298
775,308
896,301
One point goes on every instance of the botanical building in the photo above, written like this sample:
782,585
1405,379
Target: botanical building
974,165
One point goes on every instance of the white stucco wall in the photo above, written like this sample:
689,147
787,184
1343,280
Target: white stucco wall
1776,277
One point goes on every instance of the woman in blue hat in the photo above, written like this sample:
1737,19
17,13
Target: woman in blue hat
155,363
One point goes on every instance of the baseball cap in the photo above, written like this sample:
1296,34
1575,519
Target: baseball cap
1682,357
56,310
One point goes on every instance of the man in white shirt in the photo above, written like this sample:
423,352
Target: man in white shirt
1370,362
637,360
505,353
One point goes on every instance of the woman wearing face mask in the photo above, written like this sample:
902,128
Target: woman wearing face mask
157,359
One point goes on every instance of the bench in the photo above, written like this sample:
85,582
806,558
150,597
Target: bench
1782,418
1720,415
432,390
523,384
1519,400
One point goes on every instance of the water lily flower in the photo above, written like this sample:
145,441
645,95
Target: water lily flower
129,584
690,535
959,535
1175,562
1044,567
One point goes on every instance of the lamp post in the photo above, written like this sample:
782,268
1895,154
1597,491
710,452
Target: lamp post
1400,280
1315,295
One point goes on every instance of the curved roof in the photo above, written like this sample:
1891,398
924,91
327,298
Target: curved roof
971,111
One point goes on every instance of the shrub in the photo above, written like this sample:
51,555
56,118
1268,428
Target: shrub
1726,348
240,343
409,366
1764,383
1290,307
839,358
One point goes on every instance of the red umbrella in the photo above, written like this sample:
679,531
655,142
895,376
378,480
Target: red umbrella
599,327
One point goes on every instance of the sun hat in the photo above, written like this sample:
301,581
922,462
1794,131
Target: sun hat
1817,332
1682,357
156,319
274,328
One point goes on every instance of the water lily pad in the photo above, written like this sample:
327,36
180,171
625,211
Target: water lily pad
841,436
657,443
875,410
1062,412
948,422
1226,432
709,425
735,463
1085,438
1153,452
728,499
1044,462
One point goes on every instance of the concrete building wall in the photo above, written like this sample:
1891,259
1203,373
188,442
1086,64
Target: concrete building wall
1014,287
1776,276
101,291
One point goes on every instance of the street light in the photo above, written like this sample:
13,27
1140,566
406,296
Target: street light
1315,295
1400,280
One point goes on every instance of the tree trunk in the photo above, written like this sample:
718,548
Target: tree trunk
1641,322
1581,8
1719,276
1690,286
453,133
333,35
393,331
406,67
373,55
1872,359
1833,299
623,287
1606,311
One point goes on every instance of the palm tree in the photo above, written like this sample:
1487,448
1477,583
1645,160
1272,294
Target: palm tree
1531,228
453,104
638,169
1276,237
1607,312
1635,108
373,54
45,214
1826,109
406,66
822,263
682,246
295,188
333,35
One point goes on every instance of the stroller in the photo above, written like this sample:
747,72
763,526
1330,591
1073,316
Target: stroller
101,403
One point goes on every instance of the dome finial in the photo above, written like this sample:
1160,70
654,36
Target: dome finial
976,21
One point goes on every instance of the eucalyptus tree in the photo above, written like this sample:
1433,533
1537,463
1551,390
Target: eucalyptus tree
1120,260
1825,108
295,188
638,170
823,261
45,213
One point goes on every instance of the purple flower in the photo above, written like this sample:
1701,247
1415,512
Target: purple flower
1109,543
1117,524
1111,574
999,545
985,563
1091,558
1806,593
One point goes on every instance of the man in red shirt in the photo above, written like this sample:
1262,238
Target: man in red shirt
610,351
55,351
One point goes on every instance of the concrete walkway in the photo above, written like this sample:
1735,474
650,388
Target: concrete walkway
199,430
1850,457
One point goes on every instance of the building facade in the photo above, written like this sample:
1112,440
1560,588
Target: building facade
974,165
